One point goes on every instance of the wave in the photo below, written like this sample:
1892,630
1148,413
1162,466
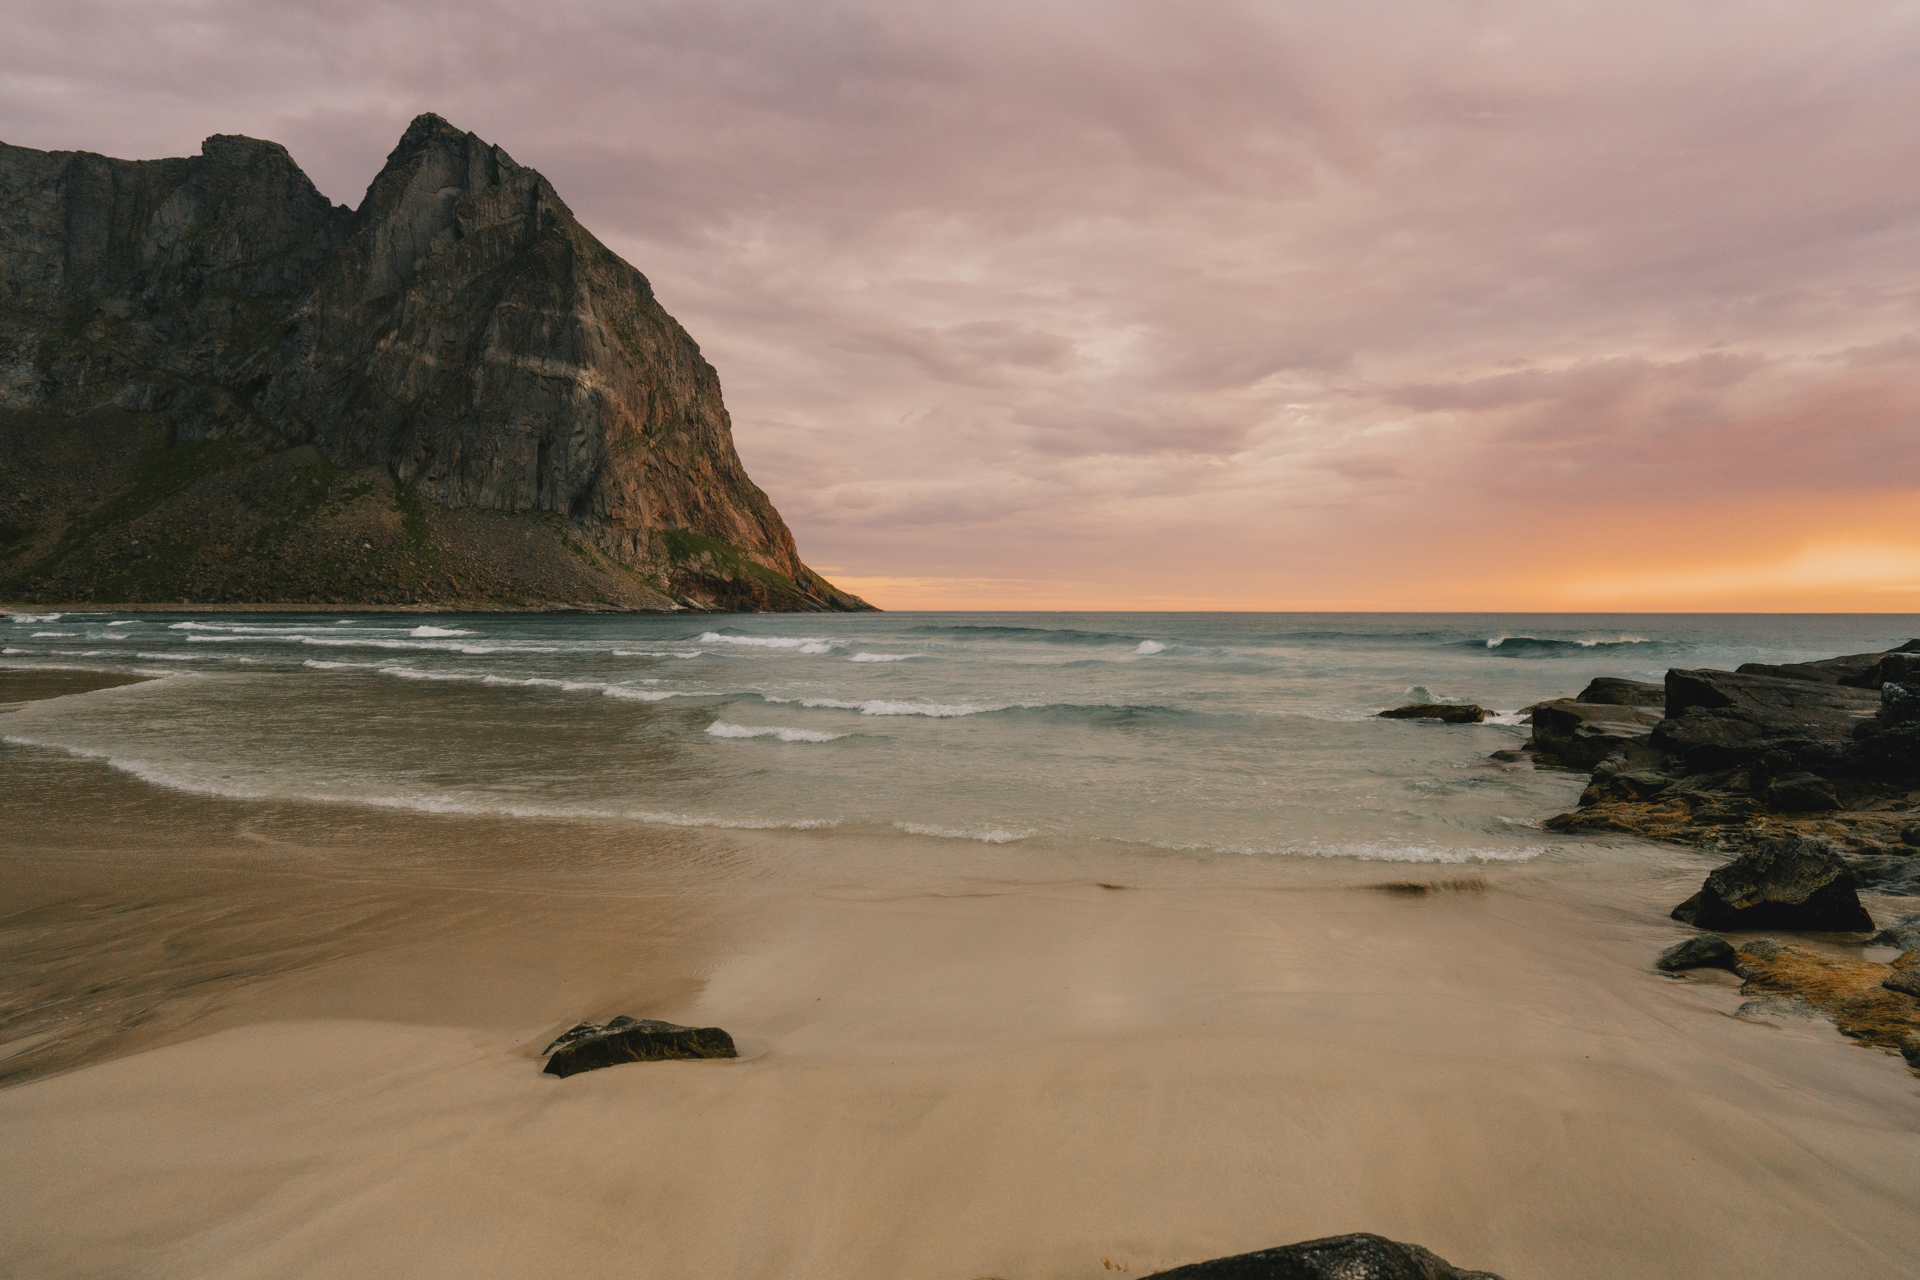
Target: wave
656,653
229,788
802,644
1150,647
1363,851
423,632
54,635
1044,635
882,657
1536,647
721,729
985,835
130,622
24,618
175,657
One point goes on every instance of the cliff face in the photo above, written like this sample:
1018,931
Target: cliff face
458,345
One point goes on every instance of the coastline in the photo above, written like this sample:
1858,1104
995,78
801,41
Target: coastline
1012,1072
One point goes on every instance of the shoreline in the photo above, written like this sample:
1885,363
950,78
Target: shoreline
1015,1074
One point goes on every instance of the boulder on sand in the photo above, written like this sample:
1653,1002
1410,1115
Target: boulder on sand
1797,882
586,1047
1355,1257
1708,951
1444,712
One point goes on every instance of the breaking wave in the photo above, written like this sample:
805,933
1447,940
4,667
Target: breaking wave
721,729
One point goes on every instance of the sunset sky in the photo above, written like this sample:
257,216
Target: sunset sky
1544,306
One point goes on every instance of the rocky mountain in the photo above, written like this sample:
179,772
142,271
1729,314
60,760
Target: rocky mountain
217,386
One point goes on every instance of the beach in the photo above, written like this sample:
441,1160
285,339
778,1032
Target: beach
266,1034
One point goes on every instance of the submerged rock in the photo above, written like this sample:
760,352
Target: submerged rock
1444,712
1708,951
1797,882
1356,1257
586,1047
1903,933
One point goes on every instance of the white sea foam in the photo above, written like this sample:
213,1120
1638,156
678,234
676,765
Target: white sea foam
882,657
25,618
176,657
986,835
939,710
54,635
128,623
721,729
1149,646
628,693
801,644
419,632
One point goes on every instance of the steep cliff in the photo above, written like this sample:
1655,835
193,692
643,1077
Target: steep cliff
215,385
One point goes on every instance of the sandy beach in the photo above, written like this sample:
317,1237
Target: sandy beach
251,1039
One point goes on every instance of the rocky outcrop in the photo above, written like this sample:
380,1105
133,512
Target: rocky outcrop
1829,749
587,1047
1791,883
1355,1257
1613,691
1852,992
1444,712
173,329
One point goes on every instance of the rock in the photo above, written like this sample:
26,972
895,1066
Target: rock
1910,1050
1801,793
1910,834
1354,1257
1708,951
1610,691
1444,712
1849,990
1905,981
459,335
586,1047
1720,720
1582,734
1903,933
1793,883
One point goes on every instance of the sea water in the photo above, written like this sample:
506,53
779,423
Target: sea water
1211,736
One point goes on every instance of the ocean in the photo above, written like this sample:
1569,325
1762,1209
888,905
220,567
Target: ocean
1178,736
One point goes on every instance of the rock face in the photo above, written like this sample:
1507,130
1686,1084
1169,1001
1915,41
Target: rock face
459,343
1444,712
1623,693
1354,1257
587,1047
1792,883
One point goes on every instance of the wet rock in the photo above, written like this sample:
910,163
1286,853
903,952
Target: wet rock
1905,981
1911,835
586,1047
1708,951
1850,991
1623,693
1801,793
1444,712
1797,882
1903,933
1582,734
1722,720
1355,1257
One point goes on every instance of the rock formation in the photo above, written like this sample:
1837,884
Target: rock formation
1828,749
1796,882
587,1047
1356,1257
215,384
1444,712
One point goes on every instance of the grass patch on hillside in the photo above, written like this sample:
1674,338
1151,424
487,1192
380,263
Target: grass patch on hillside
684,546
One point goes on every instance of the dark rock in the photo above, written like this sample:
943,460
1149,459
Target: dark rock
1708,951
1354,1257
1910,834
1444,712
586,1047
460,333
1721,720
1903,933
1857,670
1801,793
1582,734
1905,981
1911,1052
1611,691
1793,883
1509,757
1888,873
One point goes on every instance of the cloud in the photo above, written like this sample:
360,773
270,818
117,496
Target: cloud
1307,301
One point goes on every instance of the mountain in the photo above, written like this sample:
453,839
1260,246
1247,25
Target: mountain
217,386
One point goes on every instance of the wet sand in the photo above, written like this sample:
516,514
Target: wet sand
252,1040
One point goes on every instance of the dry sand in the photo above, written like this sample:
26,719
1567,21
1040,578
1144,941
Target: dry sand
264,1041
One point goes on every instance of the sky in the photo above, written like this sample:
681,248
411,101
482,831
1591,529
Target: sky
1537,306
